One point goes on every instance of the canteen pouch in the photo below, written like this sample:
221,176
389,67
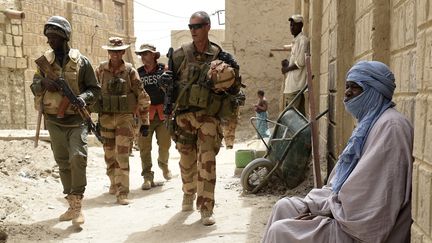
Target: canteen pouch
198,96
114,103
227,109
215,103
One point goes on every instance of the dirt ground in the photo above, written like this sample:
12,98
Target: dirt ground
31,201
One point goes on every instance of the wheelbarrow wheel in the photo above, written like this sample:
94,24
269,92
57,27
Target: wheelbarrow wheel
255,172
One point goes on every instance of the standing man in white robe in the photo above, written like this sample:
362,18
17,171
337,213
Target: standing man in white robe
368,198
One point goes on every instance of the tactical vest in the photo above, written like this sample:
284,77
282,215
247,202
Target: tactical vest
117,95
70,72
193,93
150,83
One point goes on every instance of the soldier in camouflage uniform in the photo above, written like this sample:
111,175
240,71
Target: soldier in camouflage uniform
68,131
198,111
122,95
150,74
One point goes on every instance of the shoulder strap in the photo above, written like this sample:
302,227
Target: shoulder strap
216,52
129,69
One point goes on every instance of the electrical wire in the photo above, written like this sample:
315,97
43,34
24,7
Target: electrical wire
159,11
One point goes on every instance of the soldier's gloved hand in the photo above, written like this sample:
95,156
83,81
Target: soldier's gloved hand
228,59
166,79
81,104
144,130
50,85
98,127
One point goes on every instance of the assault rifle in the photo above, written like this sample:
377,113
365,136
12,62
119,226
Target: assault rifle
169,86
69,96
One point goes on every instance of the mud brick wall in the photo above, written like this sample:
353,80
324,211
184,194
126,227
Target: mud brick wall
22,41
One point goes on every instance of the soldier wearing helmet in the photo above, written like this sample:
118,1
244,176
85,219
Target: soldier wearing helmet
68,132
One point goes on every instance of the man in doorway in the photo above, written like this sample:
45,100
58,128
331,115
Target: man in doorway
295,68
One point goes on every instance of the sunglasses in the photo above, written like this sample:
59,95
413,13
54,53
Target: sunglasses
197,26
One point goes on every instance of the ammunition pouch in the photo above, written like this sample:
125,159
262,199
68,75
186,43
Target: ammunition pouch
201,98
117,86
198,96
203,87
116,104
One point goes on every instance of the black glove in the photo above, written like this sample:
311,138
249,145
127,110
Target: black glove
144,130
166,79
228,59
81,104
98,127
49,85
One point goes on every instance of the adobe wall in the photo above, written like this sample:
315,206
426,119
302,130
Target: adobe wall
22,41
252,28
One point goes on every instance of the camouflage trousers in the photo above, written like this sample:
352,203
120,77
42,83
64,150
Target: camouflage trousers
117,131
69,146
229,127
163,138
198,142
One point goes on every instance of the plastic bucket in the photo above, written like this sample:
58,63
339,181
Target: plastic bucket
243,157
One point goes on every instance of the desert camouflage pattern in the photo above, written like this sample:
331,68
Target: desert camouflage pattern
104,73
198,157
117,131
229,127
222,75
163,138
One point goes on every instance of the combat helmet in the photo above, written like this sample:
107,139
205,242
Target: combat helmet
61,23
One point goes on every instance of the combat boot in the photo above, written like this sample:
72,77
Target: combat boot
147,185
207,218
68,215
122,199
78,218
112,188
166,172
188,200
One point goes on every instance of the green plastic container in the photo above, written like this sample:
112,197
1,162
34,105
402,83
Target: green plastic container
243,157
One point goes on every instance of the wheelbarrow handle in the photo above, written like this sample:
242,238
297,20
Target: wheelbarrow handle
321,114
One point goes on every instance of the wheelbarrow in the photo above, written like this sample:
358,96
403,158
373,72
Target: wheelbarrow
288,151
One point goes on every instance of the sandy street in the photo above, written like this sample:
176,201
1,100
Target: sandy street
31,202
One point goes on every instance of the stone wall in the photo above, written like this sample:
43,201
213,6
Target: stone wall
22,41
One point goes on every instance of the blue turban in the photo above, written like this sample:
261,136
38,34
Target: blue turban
378,85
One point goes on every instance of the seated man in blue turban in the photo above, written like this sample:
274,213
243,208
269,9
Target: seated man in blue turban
368,197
